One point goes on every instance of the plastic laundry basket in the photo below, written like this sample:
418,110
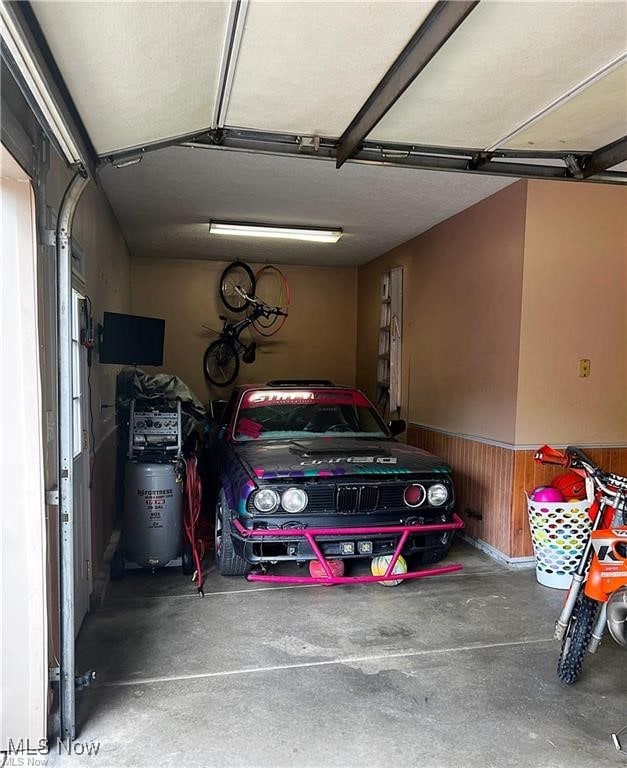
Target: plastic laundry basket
559,531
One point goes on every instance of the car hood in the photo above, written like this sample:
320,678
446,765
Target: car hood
330,457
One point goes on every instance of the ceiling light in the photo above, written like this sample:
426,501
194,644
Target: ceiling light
240,229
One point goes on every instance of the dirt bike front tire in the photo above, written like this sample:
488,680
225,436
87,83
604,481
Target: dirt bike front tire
577,638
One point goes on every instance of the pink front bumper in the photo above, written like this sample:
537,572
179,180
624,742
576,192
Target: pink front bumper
403,531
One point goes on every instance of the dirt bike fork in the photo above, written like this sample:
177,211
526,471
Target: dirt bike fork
599,629
578,579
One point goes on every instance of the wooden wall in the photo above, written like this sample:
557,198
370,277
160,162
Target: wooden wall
483,476
491,481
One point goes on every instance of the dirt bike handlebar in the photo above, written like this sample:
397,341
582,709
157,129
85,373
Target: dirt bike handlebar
572,457
608,483
548,455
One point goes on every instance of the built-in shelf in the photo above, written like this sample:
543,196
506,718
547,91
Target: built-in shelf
389,332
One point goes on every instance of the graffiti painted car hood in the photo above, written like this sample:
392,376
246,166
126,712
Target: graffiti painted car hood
325,457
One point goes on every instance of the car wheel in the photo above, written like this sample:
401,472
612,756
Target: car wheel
228,562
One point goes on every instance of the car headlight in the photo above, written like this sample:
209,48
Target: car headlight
266,500
437,494
294,500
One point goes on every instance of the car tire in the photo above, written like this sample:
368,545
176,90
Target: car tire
228,562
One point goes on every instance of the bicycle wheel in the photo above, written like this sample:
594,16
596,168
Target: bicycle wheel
236,279
221,363
577,639
274,291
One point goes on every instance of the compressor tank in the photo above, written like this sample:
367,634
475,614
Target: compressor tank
152,510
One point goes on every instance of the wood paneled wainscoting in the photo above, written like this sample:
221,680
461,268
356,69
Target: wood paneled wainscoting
491,480
483,476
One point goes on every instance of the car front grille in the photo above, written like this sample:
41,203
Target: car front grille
356,498
347,498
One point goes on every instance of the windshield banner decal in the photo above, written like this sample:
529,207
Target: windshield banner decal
264,397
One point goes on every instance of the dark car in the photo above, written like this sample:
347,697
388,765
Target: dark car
297,459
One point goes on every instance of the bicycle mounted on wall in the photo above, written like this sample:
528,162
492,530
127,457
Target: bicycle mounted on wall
238,284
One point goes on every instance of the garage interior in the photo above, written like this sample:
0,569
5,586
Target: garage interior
481,148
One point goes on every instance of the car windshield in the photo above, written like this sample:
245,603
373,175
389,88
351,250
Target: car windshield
288,414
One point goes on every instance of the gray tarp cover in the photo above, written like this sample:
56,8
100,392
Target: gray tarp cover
155,389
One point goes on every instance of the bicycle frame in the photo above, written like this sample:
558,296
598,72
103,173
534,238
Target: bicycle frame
233,330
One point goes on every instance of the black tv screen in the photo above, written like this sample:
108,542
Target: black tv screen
132,340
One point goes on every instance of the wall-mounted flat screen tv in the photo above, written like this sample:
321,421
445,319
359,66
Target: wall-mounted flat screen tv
131,340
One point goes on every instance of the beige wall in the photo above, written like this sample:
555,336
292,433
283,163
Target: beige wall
501,302
574,306
462,298
318,339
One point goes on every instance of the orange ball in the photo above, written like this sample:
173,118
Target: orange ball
571,485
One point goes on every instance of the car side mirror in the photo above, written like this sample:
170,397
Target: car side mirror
397,426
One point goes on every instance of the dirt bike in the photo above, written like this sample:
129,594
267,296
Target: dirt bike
597,597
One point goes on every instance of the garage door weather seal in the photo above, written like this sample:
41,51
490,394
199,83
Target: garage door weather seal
310,535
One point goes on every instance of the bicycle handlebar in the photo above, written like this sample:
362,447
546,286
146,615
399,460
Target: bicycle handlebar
260,305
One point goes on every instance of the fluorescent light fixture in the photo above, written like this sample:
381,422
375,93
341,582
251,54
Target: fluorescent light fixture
240,229
37,86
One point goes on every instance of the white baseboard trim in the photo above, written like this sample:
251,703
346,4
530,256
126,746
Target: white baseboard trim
518,562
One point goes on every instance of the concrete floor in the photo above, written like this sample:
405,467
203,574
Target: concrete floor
453,672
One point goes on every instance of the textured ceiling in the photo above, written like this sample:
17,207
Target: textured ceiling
142,72
164,204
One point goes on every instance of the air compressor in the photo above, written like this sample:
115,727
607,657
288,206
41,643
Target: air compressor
153,491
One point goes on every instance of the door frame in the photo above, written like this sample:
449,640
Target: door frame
67,701
83,567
